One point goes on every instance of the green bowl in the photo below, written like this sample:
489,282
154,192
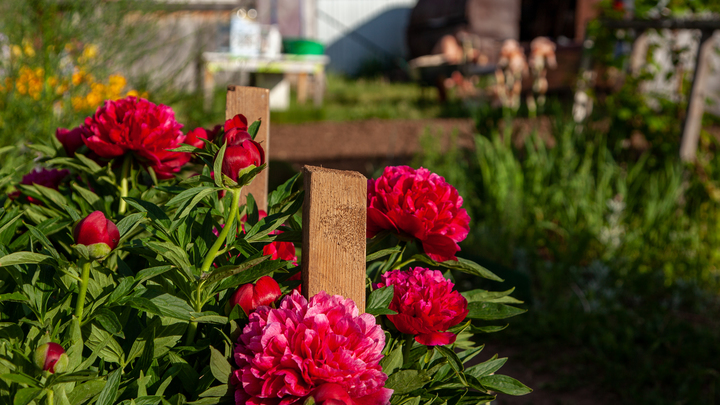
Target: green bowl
300,46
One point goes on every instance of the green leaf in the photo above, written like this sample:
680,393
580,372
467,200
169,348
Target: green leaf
89,196
491,296
85,391
172,306
20,378
25,395
187,209
505,384
94,167
109,393
282,193
108,320
453,361
486,368
25,258
379,300
208,317
44,149
185,148
217,391
219,366
217,166
464,265
150,272
253,128
154,212
14,297
491,310
392,361
382,253
406,381
130,222
487,329
52,195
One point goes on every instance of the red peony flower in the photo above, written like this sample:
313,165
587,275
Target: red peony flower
135,125
418,204
51,357
193,137
71,139
241,154
286,354
331,394
426,305
50,178
98,233
250,296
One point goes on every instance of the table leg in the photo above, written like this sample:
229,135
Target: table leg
208,88
302,88
319,84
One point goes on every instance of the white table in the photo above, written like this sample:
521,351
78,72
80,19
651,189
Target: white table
270,73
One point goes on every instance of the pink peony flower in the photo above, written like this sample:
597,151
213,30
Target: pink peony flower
285,354
418,204
135,125
426,305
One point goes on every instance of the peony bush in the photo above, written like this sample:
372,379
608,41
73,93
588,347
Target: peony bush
130,273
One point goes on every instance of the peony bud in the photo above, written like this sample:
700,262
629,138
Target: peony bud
329,394
240,155
98,233
51,357
71,139
250,296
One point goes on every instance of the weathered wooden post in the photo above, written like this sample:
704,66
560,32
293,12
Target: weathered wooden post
254,104
334,222
334,211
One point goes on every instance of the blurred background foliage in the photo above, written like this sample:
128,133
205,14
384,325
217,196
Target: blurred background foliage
613,245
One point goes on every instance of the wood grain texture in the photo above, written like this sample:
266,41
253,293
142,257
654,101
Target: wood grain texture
696,104
334,222
254,104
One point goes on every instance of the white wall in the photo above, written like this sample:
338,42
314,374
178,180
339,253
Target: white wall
382,22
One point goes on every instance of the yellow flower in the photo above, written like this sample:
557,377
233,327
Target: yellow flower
16,51
90,51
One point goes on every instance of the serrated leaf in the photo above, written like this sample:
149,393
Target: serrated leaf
505,384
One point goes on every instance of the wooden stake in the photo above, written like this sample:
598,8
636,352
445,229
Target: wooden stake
334,222
696,103
253,103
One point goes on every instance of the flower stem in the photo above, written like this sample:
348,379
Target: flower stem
50,397
85,278
209,258
407,345
124,183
